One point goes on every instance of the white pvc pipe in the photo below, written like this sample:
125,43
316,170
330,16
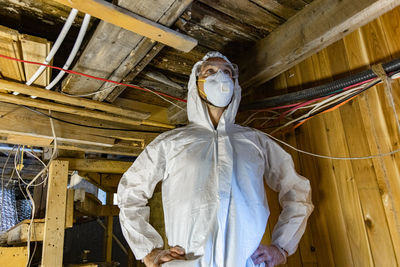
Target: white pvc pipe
74,51
56,45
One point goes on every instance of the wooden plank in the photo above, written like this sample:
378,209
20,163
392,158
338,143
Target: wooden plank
69,212
98,165
19,234
313,28
145,50
108,234
35,49
117,150
132,22
91,206
365,171
277,8
82,102
34,129
310,169
158,113
247,12
222,24
333,61
10,46
383,135
13,256
37,103
53,240
33,125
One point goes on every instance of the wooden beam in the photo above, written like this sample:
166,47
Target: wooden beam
310,30
10,46
108,234
69,210
53,240
98,165
132,22
34,129
37,103
35,49
18,234
13,256
82,102
145,51
90,205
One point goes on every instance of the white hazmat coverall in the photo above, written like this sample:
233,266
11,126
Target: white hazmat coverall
213,194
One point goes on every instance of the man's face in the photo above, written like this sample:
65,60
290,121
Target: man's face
210,67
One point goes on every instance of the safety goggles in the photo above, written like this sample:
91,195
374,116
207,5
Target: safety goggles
209,68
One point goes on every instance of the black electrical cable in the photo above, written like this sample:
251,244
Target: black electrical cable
83,125
321,90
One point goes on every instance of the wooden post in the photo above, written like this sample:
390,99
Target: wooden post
53,240
108,233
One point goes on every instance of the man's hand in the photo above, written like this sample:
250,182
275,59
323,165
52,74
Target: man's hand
159,256
271,255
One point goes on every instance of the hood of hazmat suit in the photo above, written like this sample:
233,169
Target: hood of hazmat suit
213,195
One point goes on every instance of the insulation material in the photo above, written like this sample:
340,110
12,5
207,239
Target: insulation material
23,210
8,210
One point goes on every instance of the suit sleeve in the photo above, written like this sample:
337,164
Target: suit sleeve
294,197
135,188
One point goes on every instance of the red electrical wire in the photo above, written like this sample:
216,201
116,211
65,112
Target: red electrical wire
93,77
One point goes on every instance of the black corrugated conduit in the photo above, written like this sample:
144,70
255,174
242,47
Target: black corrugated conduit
321,90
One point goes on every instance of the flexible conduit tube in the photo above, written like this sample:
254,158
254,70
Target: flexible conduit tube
320,91
74,51
56,45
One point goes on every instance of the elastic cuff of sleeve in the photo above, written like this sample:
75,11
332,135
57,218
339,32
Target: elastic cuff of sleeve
283,252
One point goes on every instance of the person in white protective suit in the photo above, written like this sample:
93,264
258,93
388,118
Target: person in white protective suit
213,196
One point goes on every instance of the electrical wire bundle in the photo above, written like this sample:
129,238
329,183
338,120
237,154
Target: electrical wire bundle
290,116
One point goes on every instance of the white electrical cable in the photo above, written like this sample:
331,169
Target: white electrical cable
55,47
74,51
330,157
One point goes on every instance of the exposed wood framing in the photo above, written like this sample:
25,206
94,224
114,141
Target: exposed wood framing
127,53
19,234
247,12
91,206
82,102
35,49
34,129
108,234
107,182
113,93
132,22
69,210
310,30
13,256
98,165
9,46
53,239
37,103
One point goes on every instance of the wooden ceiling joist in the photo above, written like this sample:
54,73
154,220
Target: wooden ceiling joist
98,165
21,126
310,30
118,54
83,102
132,22
37,103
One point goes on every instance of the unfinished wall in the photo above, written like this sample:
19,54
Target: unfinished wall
356,218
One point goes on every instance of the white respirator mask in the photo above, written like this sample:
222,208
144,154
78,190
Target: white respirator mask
218,89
